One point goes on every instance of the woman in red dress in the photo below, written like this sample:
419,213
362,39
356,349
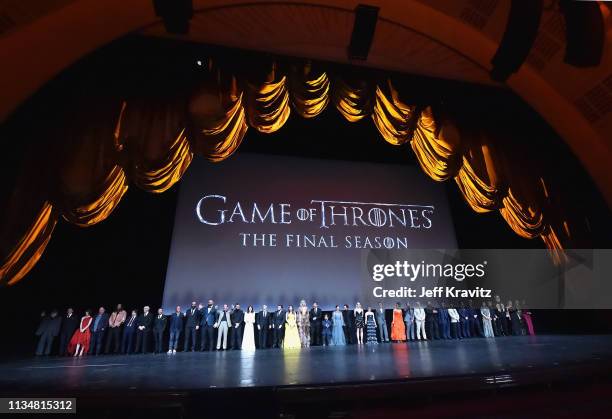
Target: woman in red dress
398,328
79,344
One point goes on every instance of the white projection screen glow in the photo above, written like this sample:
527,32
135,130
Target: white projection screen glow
261,229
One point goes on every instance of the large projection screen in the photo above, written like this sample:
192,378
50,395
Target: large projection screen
261,229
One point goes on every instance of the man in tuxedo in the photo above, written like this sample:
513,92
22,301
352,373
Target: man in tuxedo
48,330
381,321
349,325
176,326
192,324
98,330
444,321
144,324
207,331
475,321
159,327
315,317
278,323
128,333
431,321
223,323
264,323
69,326
238,325
114,328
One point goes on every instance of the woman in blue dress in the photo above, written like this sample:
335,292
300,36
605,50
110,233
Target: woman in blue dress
370,322
337,327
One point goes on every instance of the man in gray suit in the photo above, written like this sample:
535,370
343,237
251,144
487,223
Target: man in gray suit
382,323
223,323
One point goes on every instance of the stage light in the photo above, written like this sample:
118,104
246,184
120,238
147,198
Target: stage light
521,31
363,32
176,14
584,33
199,63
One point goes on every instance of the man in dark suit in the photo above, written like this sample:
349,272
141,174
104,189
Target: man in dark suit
192,324
315,317
98,330
159,327
264,324
144,324
238,326
69,325
278,329
47,330
176,327
349,325
128,333
207,329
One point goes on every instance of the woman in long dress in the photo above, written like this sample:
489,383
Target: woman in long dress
528,320
79,344
514,319
303,321
338,327
486,321
359,322
292,336
248,339
398,328
370,321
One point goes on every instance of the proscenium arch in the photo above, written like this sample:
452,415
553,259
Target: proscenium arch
35,53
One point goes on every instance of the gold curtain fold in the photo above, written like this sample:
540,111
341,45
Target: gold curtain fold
219,132
353,102
478,178
309,92
522,215
392,117
268,105
30,248
102,205
161,177
436,148
154,156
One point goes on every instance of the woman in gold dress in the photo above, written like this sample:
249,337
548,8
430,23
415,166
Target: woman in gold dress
303,321
292,337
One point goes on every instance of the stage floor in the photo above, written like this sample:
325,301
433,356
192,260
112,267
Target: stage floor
396,362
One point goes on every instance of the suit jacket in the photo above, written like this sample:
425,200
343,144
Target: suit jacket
237,317
102,323
315,317
228,317
69,325
49,325
192,319
176,322
443,315
160,324
208,318
349,318
127,329
146,321
278,318
263,321
380,317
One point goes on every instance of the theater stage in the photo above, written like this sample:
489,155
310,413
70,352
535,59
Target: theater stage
499,361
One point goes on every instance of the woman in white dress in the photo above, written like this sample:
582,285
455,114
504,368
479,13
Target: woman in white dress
248,339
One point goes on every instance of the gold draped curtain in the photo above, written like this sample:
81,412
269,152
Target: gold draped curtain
149,142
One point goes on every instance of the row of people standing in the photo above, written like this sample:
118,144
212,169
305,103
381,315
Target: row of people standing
231,328
463,321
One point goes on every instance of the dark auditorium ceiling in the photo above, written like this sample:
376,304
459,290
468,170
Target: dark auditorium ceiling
446,39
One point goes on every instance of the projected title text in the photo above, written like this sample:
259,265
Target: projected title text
216,210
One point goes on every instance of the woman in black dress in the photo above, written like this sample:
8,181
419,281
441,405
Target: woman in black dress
359,323
515,320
